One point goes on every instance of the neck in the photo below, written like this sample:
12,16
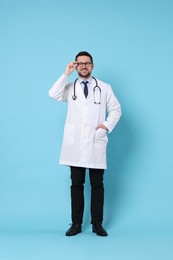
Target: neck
85,78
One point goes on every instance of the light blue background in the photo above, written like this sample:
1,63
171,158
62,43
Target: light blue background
131,43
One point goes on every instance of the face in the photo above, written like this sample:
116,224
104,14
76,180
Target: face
84,70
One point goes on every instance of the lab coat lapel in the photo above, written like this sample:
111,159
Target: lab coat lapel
79,91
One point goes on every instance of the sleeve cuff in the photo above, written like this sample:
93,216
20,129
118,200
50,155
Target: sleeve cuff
105,123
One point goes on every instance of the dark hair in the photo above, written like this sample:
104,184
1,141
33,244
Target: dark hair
84,53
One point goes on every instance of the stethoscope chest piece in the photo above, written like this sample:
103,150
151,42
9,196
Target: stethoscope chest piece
74,97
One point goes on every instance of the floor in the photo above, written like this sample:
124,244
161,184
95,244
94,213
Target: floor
120,245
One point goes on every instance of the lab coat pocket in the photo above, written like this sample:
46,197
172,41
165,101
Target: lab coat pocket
69,134
101,136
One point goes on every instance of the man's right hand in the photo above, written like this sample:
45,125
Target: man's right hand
70,67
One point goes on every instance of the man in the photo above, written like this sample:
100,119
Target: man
85,136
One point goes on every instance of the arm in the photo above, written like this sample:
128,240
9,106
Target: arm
113,110
59,89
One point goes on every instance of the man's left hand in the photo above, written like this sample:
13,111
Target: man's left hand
101,126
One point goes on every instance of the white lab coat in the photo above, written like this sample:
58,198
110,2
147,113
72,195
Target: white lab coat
83,145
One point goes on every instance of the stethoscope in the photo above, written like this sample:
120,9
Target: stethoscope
74,97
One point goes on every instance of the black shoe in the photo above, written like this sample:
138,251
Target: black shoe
74,230
99,230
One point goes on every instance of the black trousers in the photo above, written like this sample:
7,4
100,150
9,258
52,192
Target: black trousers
77,194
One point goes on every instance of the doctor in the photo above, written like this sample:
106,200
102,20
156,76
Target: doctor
93,110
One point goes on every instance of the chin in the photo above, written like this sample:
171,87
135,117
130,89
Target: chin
84,75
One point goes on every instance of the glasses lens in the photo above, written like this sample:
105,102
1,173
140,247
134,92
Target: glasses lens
80,64
88,64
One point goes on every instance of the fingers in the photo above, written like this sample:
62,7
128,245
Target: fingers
101,126
70,67
73,65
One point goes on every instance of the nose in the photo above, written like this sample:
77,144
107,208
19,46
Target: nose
84,64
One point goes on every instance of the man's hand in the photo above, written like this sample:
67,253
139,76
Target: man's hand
70,67
101,126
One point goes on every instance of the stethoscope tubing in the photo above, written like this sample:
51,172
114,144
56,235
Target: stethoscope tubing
74,97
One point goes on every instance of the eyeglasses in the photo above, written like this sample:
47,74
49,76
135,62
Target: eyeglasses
87,64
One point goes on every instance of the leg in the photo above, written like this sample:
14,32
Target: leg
77,193
97,195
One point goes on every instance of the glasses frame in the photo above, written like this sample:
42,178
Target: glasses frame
87,64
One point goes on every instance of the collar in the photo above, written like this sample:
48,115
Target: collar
89,80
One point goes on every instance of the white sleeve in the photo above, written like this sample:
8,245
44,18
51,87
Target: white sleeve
113,110
59,89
